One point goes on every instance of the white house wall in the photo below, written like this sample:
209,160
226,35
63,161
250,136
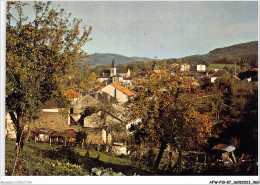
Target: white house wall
112,91
213,79
201,67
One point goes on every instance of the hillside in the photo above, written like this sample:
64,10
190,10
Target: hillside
238,50
106,58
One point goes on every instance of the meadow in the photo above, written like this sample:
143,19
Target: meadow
41,159
212,66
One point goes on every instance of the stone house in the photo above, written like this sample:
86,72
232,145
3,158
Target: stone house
116,91
52,117
99,132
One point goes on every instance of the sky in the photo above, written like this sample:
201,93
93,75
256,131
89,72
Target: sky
165,29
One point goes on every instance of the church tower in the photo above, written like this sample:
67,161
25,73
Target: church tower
113,68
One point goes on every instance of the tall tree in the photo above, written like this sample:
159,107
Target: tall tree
39,52
165,105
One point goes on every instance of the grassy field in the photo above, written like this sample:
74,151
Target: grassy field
212,66
33,164
43,159
221,65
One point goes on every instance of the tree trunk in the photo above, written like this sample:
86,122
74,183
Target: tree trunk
177,164
160,154
19,142
19,132
29,130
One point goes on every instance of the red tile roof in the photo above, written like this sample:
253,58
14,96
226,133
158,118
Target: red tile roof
120,88
256,69
220,146
50,104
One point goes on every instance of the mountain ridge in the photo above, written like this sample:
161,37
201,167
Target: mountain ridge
236,50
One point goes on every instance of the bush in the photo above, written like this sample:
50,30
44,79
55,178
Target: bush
37,162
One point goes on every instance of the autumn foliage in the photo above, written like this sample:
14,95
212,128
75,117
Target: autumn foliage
165,103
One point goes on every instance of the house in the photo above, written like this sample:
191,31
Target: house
115,76
116,91
98,131
201,68
222,73
52,116
185,67
157,70
251,75
83,102
132,123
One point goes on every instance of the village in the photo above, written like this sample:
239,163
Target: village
73,127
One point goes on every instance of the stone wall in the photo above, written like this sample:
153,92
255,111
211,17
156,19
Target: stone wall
51,120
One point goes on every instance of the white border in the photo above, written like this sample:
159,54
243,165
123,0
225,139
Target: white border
128,179
2,89
91,179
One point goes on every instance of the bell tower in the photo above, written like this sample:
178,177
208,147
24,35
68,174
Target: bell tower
113,68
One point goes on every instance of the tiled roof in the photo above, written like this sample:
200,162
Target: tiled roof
120,88
256,69
220,146
45,131
50,104
70,133
221,73
224,147
123,89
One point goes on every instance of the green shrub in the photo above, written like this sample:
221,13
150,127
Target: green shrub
40,165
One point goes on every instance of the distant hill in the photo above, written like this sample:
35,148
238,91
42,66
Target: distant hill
238,50
106,58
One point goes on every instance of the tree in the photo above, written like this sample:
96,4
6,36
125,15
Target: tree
38,55
166,107
218,105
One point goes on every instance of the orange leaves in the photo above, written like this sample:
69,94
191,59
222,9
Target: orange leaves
71,94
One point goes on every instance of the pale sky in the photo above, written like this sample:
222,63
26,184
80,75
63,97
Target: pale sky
165,29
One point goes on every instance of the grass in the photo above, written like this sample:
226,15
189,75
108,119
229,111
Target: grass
32,164
45,160
212,66
105,157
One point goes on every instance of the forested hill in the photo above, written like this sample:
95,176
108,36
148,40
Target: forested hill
242,50
238,50
106,58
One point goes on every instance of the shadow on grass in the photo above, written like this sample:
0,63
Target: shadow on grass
88,162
